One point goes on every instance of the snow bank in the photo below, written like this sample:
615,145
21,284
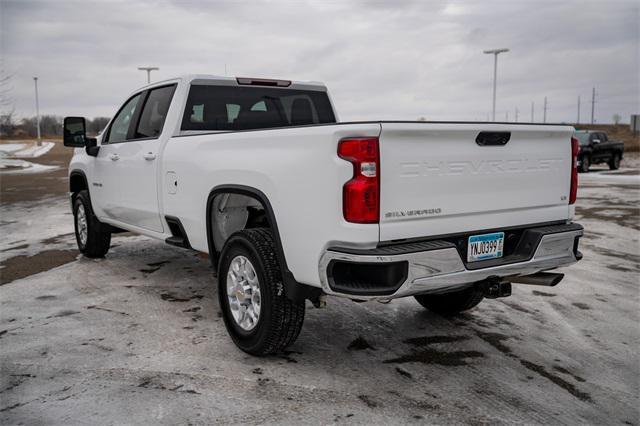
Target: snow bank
10,166
34,150
9,148
11,153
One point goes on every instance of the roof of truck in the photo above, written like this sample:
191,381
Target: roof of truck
222,80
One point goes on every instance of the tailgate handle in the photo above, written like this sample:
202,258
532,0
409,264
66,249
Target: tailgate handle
493,138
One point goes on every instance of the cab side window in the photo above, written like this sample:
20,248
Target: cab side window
154,112
120,126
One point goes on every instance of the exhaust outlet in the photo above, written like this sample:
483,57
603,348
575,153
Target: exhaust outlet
548,279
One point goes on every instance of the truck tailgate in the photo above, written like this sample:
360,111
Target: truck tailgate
436,179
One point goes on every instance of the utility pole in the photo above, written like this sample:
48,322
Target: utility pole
532,105
578,120
495,53
148,70
517,114
544,115
35,81
593,104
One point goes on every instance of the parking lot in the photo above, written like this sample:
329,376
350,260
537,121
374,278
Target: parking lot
137,337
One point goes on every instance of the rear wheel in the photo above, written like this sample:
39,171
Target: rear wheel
452,303
93,240
614,163
259,317
585,164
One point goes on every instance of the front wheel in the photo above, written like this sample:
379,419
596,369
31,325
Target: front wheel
93,241
259,317
449,304
614,163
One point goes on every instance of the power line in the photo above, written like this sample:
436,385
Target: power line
532,109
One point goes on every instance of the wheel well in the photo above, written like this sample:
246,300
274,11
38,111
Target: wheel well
231,212
77,182
247,207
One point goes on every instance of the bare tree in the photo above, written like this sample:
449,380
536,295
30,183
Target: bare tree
616,118
97,125
7,124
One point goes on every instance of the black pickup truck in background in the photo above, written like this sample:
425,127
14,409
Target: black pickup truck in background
596,148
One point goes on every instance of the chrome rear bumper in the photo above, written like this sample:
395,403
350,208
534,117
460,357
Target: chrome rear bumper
436,266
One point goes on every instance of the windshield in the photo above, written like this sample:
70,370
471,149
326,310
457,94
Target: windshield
243,108
583,137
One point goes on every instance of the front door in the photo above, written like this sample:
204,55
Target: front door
127,164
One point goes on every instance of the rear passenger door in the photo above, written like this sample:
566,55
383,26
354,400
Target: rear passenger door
128,162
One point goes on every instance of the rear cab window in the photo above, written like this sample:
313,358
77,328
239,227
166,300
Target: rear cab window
229,108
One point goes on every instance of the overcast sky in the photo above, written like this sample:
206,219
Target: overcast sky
380,59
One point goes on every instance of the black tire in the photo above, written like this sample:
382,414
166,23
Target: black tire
97,239
586,163
449,304
614,163
280,319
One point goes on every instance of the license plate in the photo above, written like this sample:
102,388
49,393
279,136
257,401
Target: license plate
483,247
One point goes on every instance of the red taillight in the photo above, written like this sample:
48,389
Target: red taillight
361,195
575,149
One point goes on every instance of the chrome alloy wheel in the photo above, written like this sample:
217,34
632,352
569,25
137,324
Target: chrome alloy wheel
81,224
243,292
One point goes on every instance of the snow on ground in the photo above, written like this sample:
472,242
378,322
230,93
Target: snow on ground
8,148
137,338
11,154
34,150
11,166
21,150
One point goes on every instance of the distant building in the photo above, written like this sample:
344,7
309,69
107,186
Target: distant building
635,123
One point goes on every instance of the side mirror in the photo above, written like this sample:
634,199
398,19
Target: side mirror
75,133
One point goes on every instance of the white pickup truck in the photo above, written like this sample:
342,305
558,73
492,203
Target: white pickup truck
291,204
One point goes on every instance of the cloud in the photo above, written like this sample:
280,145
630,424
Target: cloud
380,59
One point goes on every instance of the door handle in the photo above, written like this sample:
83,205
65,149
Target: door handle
149,156
114,157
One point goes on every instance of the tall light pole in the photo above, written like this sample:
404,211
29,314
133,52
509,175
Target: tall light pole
578,120
35,81
148,70
495,53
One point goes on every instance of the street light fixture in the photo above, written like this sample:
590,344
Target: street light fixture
148,70
495,53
